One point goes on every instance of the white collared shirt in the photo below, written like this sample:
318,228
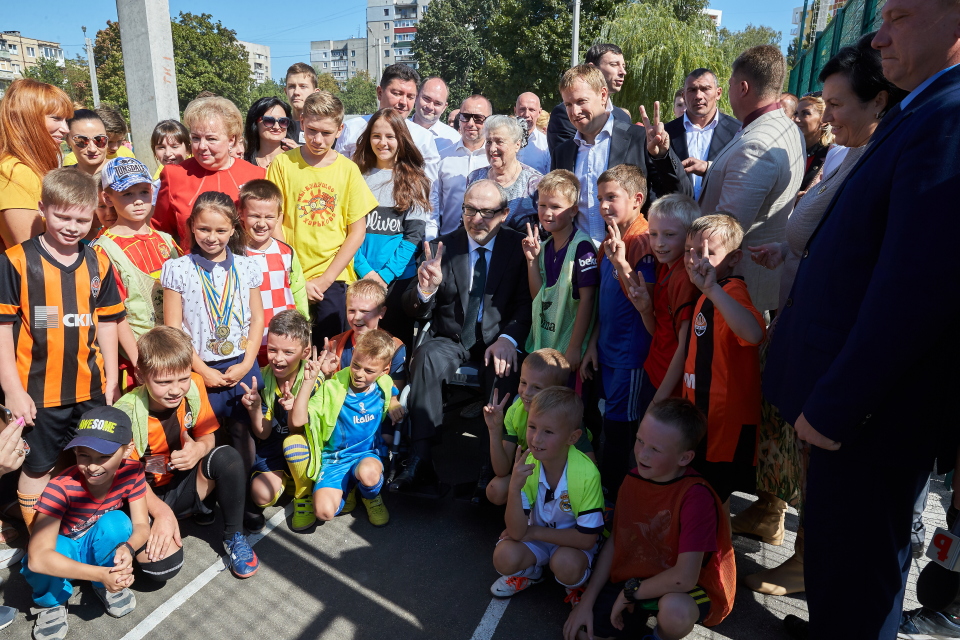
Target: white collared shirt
446,194
592,160
347,142
536,154
444,135
698,143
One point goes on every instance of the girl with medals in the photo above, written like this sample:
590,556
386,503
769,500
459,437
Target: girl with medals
213,294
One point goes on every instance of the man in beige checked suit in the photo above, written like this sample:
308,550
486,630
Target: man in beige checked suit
757,175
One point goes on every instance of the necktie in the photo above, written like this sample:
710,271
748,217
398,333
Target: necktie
471,327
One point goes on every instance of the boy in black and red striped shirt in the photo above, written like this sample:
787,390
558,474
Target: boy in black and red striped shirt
80,532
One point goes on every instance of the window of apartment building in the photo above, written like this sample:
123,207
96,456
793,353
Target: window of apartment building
353,62
386,53
16,68
386,12
353,54
386,26
386,38
31,52
324,65
13,49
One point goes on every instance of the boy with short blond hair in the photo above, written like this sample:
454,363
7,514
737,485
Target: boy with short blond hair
554,504
721,373
261,208
678,564
325,203
59,309
342,423
173,433
674,297
136,250
622,338
563,273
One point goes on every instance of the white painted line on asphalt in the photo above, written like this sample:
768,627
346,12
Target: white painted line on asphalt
159,614
491,618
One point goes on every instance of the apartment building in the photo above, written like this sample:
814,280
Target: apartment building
18,53
342,59
258,57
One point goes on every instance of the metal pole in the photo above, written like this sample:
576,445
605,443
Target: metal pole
575,49
94,88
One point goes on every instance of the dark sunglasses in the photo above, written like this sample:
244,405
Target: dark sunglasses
486,214
269,121
465,117
82,141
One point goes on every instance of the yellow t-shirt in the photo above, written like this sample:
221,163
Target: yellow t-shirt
122,152
318,206
19,185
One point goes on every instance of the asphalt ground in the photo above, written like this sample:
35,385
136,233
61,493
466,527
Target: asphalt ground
426,575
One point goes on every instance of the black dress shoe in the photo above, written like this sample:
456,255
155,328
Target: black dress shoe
480,492
416,473
797,627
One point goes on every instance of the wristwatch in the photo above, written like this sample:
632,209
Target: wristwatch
133,554
630,588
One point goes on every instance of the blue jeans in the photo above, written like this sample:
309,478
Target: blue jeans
97,547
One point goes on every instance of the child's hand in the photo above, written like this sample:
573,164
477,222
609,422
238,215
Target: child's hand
531,244
311,370
21,405
212,378
615,248
590,362
115,581
639,295
493,412
505,535
395,411
189,455
251,397
329,360
429,273
702,274
521,470
317,287
112,392
235,373
616,613
572,354
767,255
373,275
287,397
122,560
580,617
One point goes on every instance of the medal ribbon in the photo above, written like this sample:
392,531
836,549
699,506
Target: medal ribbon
219,305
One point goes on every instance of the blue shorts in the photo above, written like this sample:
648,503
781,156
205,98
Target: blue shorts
267,463
343,474
225,401
621,391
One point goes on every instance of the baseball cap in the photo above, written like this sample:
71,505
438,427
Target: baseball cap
103,429
122,173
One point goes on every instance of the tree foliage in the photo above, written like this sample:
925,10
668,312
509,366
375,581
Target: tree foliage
448,44
326,82
269,88
73,77
359,94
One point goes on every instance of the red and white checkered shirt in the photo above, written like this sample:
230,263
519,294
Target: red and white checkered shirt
275,262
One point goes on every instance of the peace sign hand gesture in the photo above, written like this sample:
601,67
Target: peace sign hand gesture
615,248
329,361
493,412
658,140
311,369
250,397
429,275
286,400
701,272
531,244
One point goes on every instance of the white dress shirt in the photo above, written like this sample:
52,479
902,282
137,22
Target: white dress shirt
446,194
592,160
353,128
536,154
444,136
698,144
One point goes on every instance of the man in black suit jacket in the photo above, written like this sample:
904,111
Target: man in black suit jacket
710,131
647,147
472,286
609,59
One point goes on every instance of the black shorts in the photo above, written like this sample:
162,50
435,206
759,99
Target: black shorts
180,494
727,477
634,624
54,428
329,316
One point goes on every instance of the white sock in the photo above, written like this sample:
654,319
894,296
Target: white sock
533,572
583,578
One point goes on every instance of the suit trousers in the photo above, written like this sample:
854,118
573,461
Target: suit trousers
434,362
857,553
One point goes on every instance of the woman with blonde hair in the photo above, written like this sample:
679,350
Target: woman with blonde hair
816,133
216,128
33,123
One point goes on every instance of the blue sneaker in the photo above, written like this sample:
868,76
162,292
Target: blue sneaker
240,558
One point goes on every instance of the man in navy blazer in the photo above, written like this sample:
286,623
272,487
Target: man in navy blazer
864,349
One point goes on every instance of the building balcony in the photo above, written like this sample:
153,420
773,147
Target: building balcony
7,75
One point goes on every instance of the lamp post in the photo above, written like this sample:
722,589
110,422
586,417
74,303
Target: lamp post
94,88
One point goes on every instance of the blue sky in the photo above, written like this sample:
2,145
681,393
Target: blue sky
287,34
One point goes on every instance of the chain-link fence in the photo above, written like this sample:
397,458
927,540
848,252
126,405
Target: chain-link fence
856,18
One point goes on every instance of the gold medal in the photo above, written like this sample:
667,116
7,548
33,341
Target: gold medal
223,331
243,343
212,346
226,348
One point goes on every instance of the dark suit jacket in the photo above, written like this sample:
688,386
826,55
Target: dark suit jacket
866,345
727,127
628,145
560,129
506,300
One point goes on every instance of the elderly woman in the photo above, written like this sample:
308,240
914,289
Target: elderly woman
267,123
504,138
856,96
33,123
216,128
816,133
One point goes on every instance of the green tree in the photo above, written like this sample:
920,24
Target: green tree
448,44
73,77
326,82
108,59
733,43
359,94
269,88
683,10
46,70
209,58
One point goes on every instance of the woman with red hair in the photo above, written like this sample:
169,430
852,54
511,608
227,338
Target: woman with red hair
33,123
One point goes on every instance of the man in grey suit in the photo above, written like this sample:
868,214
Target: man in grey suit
703,131
757,175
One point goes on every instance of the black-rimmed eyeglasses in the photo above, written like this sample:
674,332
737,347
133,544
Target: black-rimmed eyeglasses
486,214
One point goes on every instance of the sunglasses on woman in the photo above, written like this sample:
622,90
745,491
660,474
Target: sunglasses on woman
270,121
99,140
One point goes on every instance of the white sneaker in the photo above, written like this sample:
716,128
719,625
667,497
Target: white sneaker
51,623
507,586
10,556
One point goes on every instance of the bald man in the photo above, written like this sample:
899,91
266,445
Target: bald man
428,111
536,154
